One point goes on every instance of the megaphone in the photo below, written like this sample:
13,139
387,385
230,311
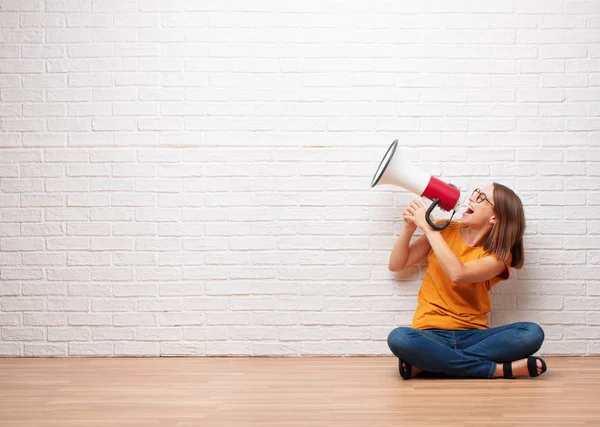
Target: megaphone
395,170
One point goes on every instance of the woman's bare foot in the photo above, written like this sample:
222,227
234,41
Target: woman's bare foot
519,368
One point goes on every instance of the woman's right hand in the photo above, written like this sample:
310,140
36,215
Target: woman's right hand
408,224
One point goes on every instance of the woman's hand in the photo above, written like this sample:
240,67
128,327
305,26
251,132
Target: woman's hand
409,226
415,214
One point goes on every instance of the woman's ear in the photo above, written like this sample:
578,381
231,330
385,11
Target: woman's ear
493,219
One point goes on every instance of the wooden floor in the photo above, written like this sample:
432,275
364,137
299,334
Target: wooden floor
329,391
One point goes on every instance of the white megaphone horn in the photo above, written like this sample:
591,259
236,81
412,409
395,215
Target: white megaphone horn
395,170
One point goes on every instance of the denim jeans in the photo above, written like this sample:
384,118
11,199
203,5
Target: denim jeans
465,353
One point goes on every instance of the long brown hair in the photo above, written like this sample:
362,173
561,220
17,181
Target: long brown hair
506,237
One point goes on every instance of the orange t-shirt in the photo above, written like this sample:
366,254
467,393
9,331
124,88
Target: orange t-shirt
464,307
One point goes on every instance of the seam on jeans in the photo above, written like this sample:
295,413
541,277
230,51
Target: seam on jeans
479,342
432,339
508,327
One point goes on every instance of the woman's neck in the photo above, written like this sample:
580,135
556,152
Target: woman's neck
474,237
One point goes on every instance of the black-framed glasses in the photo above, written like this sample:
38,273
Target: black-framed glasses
481,196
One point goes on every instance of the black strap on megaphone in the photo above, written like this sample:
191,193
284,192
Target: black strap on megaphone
428,216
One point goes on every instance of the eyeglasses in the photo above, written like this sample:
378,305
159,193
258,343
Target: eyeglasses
481,196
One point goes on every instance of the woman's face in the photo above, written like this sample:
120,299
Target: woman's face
480,210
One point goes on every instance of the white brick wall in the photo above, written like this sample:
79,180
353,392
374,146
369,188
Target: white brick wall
191,177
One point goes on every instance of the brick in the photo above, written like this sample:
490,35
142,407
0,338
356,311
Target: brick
67,304
111,305
137,349
43,288
181,319
23,334
158,334
133,289
69,334
48,350
183,349
11,349
91,349
90,319
113,334
134,319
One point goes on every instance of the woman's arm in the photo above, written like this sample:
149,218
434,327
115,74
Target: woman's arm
404,256
459,273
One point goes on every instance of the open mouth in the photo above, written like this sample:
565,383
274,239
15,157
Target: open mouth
469,211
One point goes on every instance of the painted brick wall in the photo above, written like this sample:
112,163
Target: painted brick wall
191,177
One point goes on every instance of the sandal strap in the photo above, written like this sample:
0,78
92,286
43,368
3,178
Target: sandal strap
507,368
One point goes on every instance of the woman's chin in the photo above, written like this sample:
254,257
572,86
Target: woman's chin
465,219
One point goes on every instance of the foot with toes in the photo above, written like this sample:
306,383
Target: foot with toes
530,367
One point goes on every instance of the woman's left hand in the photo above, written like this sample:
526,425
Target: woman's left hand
416,215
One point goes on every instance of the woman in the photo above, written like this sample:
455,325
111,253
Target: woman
450,332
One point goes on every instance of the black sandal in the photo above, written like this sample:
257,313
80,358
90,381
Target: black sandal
405,371
531,367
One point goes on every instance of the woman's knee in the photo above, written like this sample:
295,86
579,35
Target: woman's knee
399,340
532,335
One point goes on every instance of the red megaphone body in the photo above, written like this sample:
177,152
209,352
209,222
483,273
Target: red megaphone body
395,170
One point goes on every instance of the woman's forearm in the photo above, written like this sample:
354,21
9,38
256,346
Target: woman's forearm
400,252
449,262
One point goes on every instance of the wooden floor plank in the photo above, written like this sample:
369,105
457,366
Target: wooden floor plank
325,391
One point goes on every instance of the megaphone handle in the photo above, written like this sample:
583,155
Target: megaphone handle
428,216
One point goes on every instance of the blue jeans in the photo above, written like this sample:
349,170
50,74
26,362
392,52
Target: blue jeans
468,353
